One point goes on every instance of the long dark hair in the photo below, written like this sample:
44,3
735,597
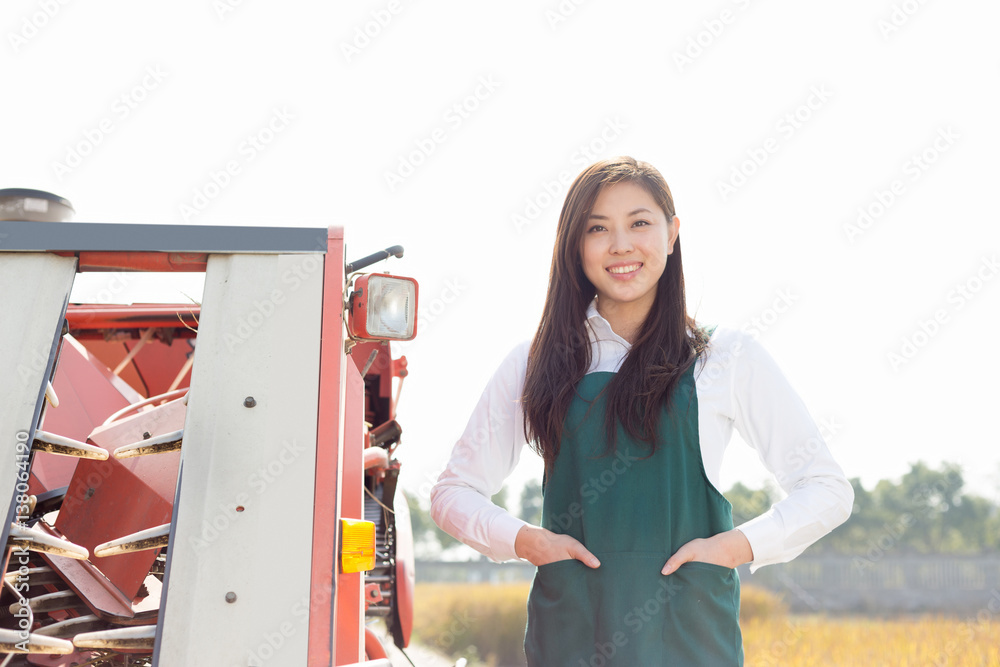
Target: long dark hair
668,342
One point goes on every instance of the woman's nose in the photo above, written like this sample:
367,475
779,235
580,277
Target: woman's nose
621,242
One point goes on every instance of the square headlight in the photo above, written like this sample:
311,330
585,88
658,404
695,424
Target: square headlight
383,307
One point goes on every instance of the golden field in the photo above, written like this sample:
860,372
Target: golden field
485,624
808,641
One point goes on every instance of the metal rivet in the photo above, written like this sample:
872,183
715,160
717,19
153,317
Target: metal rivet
89,494
146,435
249,402
230,597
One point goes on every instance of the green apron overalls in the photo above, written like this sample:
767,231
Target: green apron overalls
633,511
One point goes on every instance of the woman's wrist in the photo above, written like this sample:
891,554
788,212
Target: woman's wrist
525,541
737,547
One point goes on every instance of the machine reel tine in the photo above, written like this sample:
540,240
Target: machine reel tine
151,538
168,442
46,602
71,627
13,641
137,637
35,575
50,395
35,540
57,444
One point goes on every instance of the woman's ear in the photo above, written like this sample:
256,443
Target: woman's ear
674,227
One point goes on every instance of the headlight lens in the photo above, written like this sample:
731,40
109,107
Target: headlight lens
384,307
391,307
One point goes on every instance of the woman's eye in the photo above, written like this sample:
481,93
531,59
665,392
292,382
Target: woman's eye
640,223
596,228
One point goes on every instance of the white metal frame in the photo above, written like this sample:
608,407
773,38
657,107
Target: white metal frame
238,581
35,289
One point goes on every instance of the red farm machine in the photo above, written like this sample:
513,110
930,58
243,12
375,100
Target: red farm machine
199,484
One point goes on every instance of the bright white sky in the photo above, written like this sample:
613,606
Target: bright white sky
128,109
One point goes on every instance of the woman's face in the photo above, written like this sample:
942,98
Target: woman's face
625,246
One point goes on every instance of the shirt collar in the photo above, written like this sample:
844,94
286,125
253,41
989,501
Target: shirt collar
600,328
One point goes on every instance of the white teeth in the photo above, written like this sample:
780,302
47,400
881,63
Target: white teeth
624,269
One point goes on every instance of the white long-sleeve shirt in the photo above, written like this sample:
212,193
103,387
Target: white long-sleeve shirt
737,384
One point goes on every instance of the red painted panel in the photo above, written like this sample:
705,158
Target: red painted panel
326,509
88,393
92,317
141,261
350,586
110,353
109,499
158,364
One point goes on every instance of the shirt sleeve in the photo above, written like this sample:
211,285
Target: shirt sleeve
771,417
487,452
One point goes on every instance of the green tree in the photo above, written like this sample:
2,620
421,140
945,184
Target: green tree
748,503
531,502
500,498
931,496
851,536
926,511
425,532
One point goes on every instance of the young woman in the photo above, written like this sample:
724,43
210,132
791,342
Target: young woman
631,405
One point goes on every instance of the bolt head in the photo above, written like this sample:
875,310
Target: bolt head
230,597
249,402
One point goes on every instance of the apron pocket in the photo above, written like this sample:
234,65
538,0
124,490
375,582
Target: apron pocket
558,614
625,613
704,613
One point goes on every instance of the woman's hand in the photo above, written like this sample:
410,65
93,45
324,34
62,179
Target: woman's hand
727,549
540,547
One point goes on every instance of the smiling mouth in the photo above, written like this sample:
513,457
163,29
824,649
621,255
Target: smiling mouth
624,268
